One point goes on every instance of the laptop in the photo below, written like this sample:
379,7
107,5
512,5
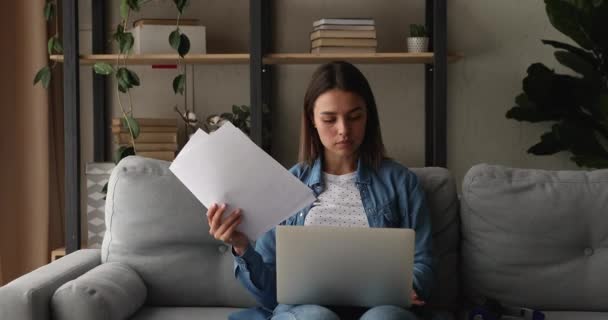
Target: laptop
344,266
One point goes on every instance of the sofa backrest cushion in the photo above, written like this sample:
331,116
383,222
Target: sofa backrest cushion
536,238
442,200
157,227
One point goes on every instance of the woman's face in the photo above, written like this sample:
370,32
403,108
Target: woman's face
340,118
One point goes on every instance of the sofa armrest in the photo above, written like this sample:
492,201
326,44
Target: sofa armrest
110,291
29,297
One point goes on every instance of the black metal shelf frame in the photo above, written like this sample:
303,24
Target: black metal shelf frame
260,83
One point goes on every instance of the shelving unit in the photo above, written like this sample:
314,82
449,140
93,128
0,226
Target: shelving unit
261,60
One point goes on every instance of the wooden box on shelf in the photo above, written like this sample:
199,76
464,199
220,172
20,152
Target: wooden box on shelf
157,137
150,35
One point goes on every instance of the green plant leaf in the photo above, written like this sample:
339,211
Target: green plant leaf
133,78
579,138
548,145
51,44
175,39
102,68
577,64
124,82
133,4
552,94
589,161
180,4
58,47
126,42
130,121
124,9
123,152
227,115
179,84
184,45
49,10
570,19
586,55
44,76
118,33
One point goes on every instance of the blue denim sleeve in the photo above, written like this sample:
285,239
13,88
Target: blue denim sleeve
420,219
256,270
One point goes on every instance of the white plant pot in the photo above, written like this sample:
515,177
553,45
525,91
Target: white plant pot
417,44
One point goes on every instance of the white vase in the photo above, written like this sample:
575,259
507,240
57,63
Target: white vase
417,44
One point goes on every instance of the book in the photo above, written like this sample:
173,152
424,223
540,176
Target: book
160,122
356,34
353,21
117,129
343,27
340,42
319,50
153,146
147,137
161,155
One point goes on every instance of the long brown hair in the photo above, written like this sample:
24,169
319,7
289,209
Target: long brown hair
343,76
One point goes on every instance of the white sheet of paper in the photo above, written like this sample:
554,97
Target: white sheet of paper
227,167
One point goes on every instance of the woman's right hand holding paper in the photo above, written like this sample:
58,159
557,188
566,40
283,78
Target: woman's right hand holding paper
225,229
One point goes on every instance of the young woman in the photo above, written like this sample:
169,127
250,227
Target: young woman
342,159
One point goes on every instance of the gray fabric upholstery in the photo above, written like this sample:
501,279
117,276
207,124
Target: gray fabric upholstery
29,297
149,313
442,200
157,227
111,291
572,315
536,238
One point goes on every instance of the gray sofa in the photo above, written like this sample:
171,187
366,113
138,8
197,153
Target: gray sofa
526,237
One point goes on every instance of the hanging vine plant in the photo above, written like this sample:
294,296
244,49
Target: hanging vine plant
54,46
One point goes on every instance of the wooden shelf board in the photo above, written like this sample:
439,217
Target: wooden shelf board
380,57
273,58
164,59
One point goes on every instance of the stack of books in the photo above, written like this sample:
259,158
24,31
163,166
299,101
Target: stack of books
338,35
157,137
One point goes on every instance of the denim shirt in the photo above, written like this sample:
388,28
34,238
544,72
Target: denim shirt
392,198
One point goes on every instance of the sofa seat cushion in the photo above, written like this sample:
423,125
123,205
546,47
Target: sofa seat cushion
183,313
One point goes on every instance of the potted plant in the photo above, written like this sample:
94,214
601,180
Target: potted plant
241,118
576,103
418,41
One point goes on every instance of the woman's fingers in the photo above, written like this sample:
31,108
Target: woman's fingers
228,235
217,218
211,212
221,229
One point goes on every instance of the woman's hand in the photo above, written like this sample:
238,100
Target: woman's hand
416,300
226,230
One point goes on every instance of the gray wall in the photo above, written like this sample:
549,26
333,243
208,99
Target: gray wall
499,40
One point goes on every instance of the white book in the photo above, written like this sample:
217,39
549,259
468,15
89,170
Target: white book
343,27
319,50
353,21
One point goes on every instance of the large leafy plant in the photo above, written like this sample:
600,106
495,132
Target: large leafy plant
576,104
